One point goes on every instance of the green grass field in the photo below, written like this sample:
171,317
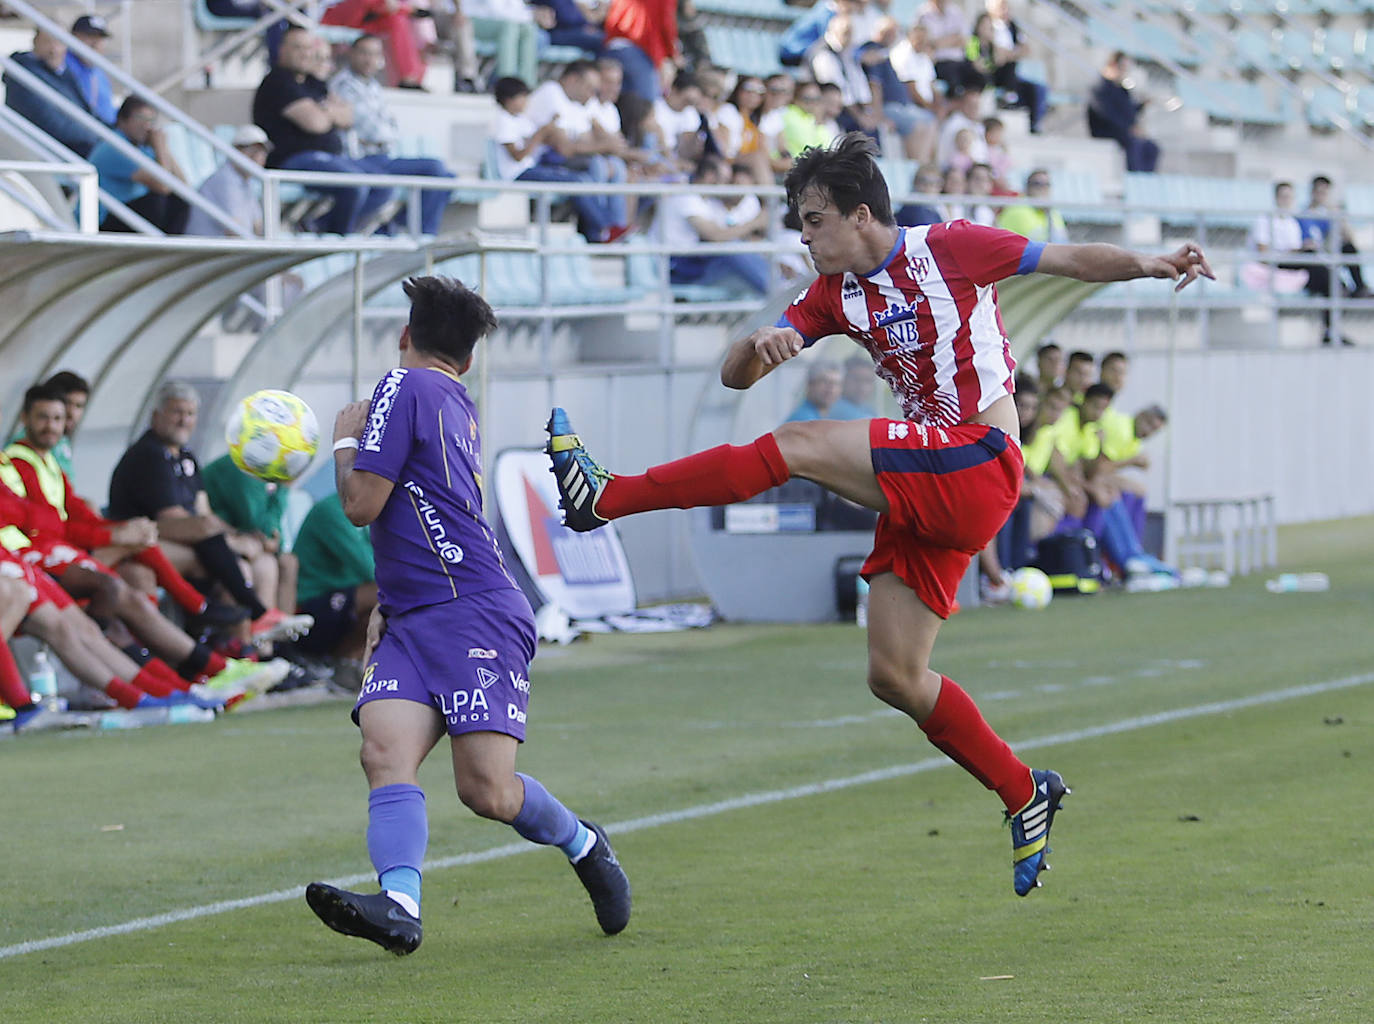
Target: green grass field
798,854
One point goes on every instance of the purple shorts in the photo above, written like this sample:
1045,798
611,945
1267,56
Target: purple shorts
469,659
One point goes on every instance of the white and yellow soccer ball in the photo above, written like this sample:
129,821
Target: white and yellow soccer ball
273,435
1030,588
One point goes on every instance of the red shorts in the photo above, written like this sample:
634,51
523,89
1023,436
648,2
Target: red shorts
57,556
43,589
949,490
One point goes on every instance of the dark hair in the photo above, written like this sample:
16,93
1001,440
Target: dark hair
1049,346
131,106
577,67
68,383
1080,356
1282,184
846,173
1321,179
1024,382
733,98
447,319
1117,57
685,80
362,39
992,122
508,88
1112,357
1098,390
830,87
42,393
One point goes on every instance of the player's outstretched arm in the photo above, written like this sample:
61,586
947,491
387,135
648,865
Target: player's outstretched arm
752,357
1103,262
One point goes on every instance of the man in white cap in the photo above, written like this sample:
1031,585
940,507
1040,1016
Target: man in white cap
231,189
92,30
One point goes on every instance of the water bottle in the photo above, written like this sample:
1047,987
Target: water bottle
1296,582
861,604
43,683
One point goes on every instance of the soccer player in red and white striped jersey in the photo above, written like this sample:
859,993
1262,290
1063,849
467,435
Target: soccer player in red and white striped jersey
923,303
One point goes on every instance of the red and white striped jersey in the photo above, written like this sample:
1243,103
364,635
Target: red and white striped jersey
928,316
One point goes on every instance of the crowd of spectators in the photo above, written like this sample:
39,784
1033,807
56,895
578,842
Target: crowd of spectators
181,589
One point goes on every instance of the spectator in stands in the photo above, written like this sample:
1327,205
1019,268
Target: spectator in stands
1316,223
1037,220
777,100
574,145
1013,541
900,103
647,155
572,23
230,188
253,510
338,587
47,62
832,108
1049,367
75,391
685,221
834,61
927,181
947,27
373,136
92,30
824,385
643,36
1114,114
604,106
979,183
391,20
158,477
718,117
1280,232
142,191
856,401
455,34
998,159
521,145
994,48
747,99
801,125
962,156
954,182
680,118
910,59
963,115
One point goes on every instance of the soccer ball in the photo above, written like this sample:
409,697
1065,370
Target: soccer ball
1030,588
273,435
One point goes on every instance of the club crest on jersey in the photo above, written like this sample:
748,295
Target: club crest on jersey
895,313
918,267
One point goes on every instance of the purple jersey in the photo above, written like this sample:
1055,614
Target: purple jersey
431,542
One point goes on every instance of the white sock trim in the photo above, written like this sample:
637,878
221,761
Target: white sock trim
586,846
406,901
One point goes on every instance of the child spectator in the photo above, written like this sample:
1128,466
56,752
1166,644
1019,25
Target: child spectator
998,159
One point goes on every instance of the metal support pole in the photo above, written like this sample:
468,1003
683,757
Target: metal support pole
357,325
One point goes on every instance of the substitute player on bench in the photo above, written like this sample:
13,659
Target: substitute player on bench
922,302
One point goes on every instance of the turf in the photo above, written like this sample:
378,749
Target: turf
1214,866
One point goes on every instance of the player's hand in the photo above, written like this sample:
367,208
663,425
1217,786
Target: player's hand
775,345
139,532
376,626
1184,265
351,420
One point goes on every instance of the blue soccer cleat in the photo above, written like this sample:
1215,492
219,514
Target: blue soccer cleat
580,477
1030,830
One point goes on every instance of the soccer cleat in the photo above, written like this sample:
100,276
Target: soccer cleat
275,624
217,616
242,680
580,477
196,696
1030,830
605,882
377,917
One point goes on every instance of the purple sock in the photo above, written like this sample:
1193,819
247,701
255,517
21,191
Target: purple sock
542,819
397,828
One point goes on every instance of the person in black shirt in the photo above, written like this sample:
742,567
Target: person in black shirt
303,121
1113,114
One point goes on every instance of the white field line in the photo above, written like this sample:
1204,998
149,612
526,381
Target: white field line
708,810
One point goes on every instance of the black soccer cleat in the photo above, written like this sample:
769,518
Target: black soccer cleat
605,882
377,917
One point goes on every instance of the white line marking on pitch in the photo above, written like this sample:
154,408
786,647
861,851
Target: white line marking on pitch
707,810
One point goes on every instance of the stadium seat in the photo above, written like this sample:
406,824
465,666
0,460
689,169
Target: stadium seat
1077,195
208,21
195,155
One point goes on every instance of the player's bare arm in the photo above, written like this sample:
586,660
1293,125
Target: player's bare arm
1103,262
750,358
362,493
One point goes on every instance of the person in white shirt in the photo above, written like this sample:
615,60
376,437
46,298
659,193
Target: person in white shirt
723,120
574,143
679,117
520,144
685,221
1280,232
964,115
232,189
949,30
910,59
834,61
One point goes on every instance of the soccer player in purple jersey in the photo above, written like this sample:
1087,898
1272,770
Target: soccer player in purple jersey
450,644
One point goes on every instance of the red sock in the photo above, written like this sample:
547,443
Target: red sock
958,728
717,476
216,664
122,693
152,682
13,690
167,674
187,596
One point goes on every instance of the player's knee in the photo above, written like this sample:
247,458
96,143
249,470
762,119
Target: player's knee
487,799
382,763
893,684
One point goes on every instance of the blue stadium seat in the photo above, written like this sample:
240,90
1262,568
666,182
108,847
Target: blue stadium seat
1073,191
195,155
1226,200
